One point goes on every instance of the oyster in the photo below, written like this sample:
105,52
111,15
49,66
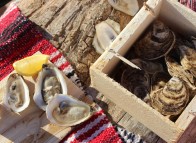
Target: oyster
159,80
129,7
147,66
50,82
172,98
188,59
17,93
136,81
106,33
66,111
177,70
157,41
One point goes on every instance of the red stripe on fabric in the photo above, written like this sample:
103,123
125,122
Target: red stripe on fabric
109,135
64,65
9,18
91,131
81,126
56,58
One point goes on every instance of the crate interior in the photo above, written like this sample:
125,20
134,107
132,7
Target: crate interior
172,15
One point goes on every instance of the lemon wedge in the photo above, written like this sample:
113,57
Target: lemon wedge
31,65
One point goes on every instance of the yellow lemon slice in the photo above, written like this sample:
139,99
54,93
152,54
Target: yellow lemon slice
29,66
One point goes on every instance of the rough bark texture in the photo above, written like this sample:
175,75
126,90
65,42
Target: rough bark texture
70,26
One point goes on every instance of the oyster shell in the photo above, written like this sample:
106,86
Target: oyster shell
66,111
177,70
16,94
136,81
129,7
50,82
172,98
157,41
188,59
159,80
147,66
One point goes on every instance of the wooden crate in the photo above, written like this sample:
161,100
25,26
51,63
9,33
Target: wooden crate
179,18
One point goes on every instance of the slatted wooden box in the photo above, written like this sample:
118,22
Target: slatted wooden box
179,18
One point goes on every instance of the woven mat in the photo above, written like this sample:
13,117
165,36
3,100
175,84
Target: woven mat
19,38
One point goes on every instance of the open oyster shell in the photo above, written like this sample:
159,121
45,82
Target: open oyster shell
16,94
50,82
188,59
149,67
157,41
129,7
66,111
136,81
172,98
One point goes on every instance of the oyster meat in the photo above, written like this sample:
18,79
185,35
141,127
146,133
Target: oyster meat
16,94
129,7
188,59
50,82
136,81
172,98
147,66
156,42
66,111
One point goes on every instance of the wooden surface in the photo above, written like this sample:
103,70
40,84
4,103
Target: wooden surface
70,26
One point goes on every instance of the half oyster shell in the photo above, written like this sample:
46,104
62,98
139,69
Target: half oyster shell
50,82
66,111
172,98
157,41
16,94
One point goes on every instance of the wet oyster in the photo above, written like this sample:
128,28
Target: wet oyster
136,81
50,82
129,7
188,59
157,41
172,98
177,70
159,80
64,110
147,66
17,93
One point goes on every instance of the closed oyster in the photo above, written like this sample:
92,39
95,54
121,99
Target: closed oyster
188,59
16,94
66,111
172,98
177,70
157,41
129,7
147,66
136,81
50,82
159,80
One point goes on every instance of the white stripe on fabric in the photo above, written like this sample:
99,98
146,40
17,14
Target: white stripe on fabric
105,126
86,128
60,61
54,55
67,69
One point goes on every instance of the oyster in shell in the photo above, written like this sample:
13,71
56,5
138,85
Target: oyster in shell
159,80
50,82
188,59
16,94
172,98
157,41
147,66
66,111
136,81
177,70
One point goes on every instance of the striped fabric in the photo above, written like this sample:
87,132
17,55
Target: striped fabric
189,3
19,38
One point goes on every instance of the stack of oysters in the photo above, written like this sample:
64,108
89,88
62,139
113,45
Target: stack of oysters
165,77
